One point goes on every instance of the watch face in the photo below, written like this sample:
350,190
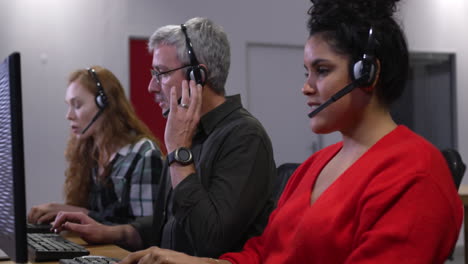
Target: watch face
184,155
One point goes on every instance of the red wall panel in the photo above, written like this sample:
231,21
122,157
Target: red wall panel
143,102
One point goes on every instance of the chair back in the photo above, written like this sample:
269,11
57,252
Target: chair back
284,171
455,164
457,168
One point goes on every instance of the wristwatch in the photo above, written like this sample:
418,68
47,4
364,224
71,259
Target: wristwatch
181,155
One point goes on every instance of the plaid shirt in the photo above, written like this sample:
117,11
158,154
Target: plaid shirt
128,191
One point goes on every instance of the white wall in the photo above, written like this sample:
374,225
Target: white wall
56,37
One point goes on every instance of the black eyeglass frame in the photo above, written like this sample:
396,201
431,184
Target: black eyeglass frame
157,74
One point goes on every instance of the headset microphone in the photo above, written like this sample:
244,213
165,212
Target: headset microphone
92,121
347,89
166,113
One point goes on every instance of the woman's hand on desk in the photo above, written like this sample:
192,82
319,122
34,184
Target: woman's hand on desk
87,228
45,213
156,255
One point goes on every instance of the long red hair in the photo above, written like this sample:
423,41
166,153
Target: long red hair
121,127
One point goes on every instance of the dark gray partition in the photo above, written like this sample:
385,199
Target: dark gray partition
428,105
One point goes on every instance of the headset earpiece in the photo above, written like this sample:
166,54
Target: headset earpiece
101,98
197,74
367,65
364,67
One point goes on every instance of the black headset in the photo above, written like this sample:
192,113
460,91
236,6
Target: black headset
196,71
363,74
101,98
367,65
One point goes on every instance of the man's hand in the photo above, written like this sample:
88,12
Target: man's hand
183,119
181,125
86,227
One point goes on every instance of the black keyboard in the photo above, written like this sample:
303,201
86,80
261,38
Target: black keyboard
52,247
38,228
89,260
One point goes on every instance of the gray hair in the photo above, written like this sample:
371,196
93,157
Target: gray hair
210,45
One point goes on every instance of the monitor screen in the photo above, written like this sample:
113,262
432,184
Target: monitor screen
12,189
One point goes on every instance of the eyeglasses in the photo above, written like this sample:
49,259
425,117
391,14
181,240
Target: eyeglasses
156,74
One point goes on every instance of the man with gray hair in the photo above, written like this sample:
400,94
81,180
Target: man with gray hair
216,187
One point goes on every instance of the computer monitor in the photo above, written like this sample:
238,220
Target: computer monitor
12,184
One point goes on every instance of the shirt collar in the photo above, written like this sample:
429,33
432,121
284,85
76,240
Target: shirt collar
211,119
125,150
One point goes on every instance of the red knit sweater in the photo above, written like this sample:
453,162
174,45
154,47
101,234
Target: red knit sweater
396,204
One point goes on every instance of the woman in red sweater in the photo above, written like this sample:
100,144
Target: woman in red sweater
381,195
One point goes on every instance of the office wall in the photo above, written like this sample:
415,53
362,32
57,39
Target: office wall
438,26
56,37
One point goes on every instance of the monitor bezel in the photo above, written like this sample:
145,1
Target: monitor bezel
17,249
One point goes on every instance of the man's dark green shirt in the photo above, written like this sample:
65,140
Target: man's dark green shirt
228,199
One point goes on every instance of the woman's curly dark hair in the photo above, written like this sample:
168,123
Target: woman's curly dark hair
345,24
